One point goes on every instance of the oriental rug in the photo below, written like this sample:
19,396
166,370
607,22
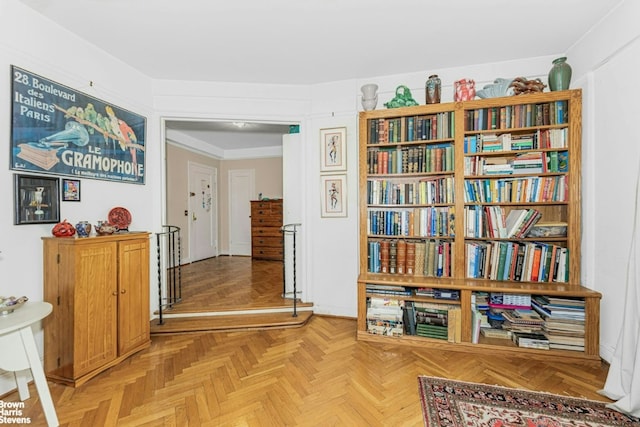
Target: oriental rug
457,404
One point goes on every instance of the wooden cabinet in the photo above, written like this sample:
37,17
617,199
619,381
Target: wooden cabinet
99,289
267,241
434,180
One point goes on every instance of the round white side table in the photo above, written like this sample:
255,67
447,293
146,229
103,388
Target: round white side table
19,353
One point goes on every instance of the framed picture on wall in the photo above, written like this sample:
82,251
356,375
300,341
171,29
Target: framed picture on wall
70,190
36,199
57,130
334,196
333,149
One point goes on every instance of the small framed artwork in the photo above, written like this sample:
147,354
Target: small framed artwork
36,199
70,190
334,196
333,149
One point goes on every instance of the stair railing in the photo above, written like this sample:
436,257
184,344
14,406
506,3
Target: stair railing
291,230
169,268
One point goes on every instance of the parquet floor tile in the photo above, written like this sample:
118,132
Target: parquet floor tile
315,375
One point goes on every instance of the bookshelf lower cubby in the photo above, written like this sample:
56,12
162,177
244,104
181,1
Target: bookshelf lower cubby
467,288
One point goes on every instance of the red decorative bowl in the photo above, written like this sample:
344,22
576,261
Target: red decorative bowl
63,229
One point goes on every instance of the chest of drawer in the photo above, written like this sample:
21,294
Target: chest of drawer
267,253
266,241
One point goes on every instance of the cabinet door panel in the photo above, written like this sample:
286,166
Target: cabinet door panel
95,308
133,321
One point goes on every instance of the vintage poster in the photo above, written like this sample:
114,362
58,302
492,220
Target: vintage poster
60,131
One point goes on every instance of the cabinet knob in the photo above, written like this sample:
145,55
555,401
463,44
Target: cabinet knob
124,291
115,293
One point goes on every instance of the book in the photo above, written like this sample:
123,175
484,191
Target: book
523,317
411,258
502,257
558,346
495,333
535,265
454,330
401,257
393,257
533,218
420,258
409,318
476,321
514,221
530,340
384,256
388,289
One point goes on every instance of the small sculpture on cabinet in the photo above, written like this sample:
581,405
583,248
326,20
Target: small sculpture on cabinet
403,98
464,90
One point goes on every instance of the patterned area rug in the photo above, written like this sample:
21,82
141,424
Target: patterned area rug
460,404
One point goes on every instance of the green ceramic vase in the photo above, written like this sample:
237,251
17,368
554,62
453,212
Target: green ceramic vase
560,74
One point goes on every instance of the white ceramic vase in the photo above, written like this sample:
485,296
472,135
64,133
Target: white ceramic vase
369,91
369,104
369,96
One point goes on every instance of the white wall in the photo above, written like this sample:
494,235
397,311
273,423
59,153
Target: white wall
31,42
605,64
604,60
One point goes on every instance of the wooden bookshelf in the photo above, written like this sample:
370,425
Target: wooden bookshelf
437,178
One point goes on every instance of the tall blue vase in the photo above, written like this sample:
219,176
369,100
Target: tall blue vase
560,74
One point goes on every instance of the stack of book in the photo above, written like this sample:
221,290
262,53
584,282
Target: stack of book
522,320
480,301
496,333
439,321
509,301
497,166
564,321
490,143
531,340
384,316
530,162
437,293
522,142
388,289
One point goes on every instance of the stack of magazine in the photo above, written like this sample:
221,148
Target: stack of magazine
564,321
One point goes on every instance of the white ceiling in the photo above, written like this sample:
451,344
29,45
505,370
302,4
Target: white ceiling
225,137
313,41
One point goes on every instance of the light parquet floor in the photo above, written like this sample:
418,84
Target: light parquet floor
230,283
225,293
313,375
316,375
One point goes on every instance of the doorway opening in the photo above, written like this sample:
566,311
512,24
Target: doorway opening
236,157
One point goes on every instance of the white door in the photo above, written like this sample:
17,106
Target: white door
241,192
293,185
203,212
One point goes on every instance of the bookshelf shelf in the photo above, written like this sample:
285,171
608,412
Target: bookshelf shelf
487,162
